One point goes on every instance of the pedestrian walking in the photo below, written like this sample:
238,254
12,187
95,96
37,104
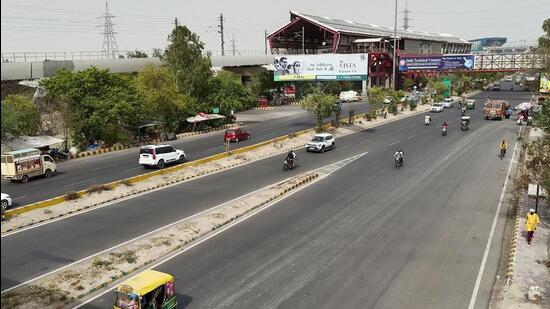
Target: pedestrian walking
531,222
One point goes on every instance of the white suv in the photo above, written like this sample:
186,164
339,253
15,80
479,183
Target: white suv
320,142
160,155
436,108
448,102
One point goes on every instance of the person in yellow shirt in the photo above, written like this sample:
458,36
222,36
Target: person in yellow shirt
503,147
531,222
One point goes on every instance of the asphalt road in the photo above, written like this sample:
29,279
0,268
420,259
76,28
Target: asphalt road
79,174
37,251
369,235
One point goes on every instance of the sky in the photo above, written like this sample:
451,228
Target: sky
76,25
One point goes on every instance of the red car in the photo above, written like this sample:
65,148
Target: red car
236,135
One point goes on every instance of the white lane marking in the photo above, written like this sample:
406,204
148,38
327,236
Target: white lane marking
213,148
394,143
79,182
412,136
130,169
224,228
54,178
19,197
384,133
426,131
491,235
339,148
104,167
412,125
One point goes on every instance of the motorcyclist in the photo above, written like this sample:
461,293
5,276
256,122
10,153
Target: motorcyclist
291,157
399,155
463,110
427,119
445,125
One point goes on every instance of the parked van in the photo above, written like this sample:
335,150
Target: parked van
23,164
349,96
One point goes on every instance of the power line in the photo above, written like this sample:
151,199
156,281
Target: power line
109,42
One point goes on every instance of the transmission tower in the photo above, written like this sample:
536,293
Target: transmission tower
220,25
110,48
406,18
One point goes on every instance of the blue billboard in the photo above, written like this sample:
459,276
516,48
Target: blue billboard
437,63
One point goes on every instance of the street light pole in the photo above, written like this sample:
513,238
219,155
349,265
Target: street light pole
394,45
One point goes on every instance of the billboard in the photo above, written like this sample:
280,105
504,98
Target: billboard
321,67
437,63
544,83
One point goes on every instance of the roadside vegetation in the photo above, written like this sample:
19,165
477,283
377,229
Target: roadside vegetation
96,106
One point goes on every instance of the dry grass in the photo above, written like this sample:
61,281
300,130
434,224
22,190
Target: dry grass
39,295
98,189
126,256
71,196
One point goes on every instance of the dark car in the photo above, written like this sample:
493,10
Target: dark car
236,135
496,87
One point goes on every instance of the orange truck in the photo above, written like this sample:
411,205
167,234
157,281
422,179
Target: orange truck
496,109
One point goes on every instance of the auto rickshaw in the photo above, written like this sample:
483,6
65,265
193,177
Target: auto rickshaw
150,289
470,104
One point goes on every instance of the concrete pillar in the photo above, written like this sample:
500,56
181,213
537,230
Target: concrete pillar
364,88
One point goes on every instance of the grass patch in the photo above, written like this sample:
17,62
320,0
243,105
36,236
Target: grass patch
71,196
161,241
126,256
99,263
39,296
98,189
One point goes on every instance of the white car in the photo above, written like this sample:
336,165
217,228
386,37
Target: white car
160,155
321,142
448,102
6,201
437,108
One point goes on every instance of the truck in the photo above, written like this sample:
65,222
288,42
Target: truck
22,165
496,109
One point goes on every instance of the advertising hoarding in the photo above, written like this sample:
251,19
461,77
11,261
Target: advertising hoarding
436,63
544,86
321,67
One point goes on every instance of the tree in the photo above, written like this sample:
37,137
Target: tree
320,105
376,97
332,87
19,117
544,44
161,99
100,106
408,83
136,54
184,58
263,83
228,93
437,90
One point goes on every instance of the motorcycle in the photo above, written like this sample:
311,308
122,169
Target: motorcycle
427,121
398,162
444,131
288,165
56,154
464,126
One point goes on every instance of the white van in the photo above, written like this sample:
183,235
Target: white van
349,96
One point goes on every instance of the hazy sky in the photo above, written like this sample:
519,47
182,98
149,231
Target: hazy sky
73,25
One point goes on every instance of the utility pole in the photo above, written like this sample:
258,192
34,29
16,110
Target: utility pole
221,34
233,44
109,42
176,22
406,18
265,41
394,61
303,40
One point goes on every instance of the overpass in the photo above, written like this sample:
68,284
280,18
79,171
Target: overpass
244,65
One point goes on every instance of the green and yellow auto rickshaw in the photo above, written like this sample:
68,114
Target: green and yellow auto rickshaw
470,104
150,289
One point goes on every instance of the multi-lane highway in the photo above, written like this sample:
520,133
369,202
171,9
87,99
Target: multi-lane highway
79,174
438,208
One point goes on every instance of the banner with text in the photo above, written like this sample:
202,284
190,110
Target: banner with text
342,67
544,83
437,63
